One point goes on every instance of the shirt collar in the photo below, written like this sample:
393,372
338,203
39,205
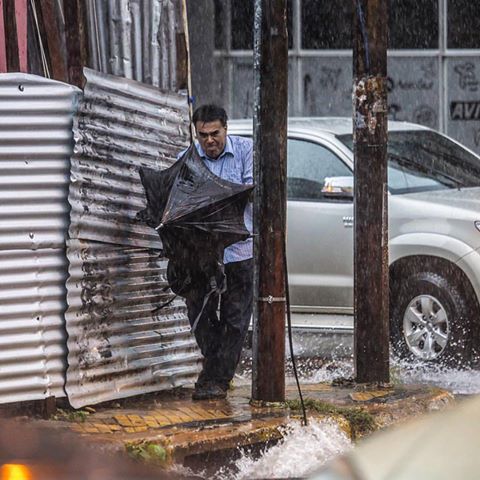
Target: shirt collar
228,149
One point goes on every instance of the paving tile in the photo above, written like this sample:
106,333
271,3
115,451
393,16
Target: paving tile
123,420
136,420
141,429
91,429
150,421
202,413
102,428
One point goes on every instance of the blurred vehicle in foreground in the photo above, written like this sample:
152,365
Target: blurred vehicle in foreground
441,446
46,453
434,235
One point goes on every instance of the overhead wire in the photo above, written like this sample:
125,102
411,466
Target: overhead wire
43,56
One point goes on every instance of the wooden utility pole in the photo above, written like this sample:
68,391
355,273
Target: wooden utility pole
76,40
270,154
371,343
52,30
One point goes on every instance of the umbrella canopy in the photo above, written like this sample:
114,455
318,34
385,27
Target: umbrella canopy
197,214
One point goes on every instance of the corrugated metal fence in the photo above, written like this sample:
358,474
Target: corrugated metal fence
35,150
118,346
135,39
105,296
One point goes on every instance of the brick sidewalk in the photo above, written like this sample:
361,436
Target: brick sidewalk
184,427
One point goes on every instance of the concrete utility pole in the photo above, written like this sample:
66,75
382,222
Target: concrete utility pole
371,343
270,154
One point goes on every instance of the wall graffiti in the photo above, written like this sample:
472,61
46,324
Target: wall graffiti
418,84
460,110
329,77
467,78
393,111
403,91
476,137
425,115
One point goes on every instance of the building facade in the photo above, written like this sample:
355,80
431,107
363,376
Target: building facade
433,60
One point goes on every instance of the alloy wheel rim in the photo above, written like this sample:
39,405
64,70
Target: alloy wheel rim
426,327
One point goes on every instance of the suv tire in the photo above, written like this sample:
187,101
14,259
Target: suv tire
429,320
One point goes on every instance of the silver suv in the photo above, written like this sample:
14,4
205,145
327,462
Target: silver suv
434,234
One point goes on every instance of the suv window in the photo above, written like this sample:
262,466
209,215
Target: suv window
307,167
423,160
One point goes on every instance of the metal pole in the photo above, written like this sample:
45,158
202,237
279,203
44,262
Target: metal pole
371,343
270,154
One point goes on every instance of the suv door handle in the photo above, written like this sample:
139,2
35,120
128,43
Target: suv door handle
348,222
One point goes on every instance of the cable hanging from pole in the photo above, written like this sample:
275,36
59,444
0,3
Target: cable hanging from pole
289,329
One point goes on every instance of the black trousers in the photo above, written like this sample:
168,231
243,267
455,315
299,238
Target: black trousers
221,339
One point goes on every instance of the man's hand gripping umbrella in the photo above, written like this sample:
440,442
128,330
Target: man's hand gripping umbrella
197,214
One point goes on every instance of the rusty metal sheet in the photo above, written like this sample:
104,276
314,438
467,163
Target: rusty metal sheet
35,149
118,346
120,126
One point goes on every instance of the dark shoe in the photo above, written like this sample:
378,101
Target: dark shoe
209,391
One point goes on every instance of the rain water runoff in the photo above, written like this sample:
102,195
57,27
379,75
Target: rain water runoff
303,450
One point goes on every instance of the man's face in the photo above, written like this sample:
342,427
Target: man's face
212,137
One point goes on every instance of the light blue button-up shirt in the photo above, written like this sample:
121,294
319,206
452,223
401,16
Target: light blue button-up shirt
235,164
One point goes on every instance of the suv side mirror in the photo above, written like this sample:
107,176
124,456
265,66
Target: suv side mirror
338,187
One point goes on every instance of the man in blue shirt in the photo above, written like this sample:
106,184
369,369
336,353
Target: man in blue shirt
221,339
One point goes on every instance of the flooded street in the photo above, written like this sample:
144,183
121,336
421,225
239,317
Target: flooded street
457,381
301,452
305,450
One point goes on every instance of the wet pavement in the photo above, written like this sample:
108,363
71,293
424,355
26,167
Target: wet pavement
184,428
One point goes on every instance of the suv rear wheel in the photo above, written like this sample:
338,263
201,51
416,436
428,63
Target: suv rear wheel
430,320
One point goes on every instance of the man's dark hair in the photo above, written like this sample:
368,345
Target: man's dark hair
210,113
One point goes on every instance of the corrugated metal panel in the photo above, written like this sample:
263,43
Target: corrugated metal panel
117,345
120,126
135,39
35,150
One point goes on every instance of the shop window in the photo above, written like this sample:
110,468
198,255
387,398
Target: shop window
413,24
463,24
242,24
327,25
220,20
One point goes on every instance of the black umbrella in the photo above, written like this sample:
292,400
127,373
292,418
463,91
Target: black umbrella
197,214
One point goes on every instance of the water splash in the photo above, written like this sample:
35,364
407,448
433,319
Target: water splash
301,451
457,381
329,371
